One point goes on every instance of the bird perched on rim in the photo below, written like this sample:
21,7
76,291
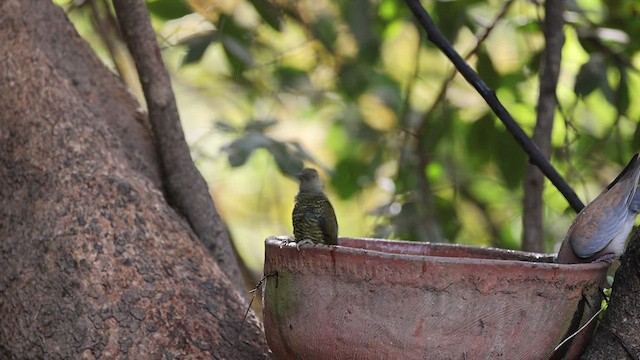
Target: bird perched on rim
600,230
314,220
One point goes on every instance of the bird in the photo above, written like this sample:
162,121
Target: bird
314,220
600,229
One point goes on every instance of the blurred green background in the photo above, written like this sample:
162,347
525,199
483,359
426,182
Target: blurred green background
351,87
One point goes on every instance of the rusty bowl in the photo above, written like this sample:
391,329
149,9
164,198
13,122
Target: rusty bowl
378,299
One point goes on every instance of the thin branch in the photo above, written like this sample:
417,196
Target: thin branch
422,142
489,96
532,219
107,28
185,187
421,128
253,292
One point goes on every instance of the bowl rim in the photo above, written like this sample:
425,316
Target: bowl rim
278,243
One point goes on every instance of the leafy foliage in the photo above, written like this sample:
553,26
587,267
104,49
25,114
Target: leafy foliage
362,77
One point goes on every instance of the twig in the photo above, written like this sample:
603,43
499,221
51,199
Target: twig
185,187
420,130
246,313
422,142
107,28
434,34
578,331
253,296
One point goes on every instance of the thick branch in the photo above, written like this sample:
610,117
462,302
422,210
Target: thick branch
489,96
184,185
532,224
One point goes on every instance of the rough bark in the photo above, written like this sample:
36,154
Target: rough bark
617,334
532,222
183,183
94,263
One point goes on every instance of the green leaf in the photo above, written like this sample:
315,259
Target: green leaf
351,175
533,63
479,140
324,30
530,27
168,9
239,150
225,127
487,71
388,9
196,46
354,79
288,157
389,91
237,53
269,13
260,125
448,216
622,92
291,77
635,142
451,16
362,23
510,158
235,43
591,76
287,161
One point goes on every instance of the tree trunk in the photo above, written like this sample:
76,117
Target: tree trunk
93,261
617,334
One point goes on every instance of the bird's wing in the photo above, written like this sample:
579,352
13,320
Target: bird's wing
329,224
600,222
635,202
590,237
632,166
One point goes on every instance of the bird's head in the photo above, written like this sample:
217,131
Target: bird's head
310,181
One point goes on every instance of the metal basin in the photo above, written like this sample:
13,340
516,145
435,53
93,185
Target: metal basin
378,299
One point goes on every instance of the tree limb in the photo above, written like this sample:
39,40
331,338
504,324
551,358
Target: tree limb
532,223
422,126
422,145
184,185
434,34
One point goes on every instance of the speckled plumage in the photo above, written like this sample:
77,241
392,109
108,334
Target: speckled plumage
313,216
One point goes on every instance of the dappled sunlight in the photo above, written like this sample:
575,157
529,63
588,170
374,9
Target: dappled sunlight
350,88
